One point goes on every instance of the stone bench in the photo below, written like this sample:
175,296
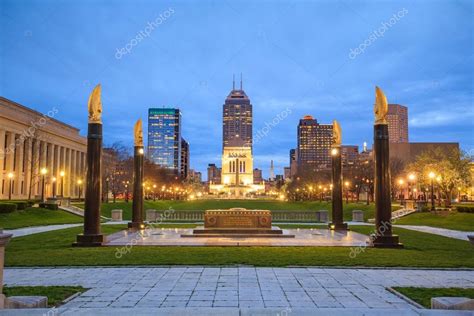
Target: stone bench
17,302
322,216
453,303
151,215
117,215
357,216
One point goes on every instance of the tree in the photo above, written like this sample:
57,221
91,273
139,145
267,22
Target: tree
450,167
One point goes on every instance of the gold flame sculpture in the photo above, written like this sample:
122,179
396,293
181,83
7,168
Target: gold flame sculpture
138,131
94,106
336,133
380,107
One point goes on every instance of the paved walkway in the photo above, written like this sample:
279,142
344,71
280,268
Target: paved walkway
439,231
37,229
204,287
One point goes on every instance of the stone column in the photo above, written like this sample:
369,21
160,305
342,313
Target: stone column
383,204
4,239
73,173
337,214
28,171
92,235
19,168
9,156
137,206
2,158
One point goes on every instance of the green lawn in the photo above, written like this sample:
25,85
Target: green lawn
55,294
454,220
421,250
423,295
273,205
33,216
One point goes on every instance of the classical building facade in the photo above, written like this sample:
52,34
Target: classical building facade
30,142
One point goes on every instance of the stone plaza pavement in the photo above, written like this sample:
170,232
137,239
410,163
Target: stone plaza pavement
238,287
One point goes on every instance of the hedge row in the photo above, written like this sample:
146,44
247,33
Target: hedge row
465,208
49,206
8,207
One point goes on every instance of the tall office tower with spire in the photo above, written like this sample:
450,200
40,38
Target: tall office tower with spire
237,161
237,119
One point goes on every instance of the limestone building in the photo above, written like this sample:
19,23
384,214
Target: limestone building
31,141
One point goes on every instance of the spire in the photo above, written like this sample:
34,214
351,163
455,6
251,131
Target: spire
240,81
233,81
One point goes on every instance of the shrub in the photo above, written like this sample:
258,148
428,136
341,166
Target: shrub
7,207
20,205
49,206
465,208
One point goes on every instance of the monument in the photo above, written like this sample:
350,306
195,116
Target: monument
383,204
92,235
238,222
137,205
336,165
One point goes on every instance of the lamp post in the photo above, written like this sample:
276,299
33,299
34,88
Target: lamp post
432,175
54,186
126,191
107,190
62,174
346,184
154,194
79,183
400,184
43,172
411,179
10,179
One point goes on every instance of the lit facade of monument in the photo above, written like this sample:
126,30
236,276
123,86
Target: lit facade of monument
237,160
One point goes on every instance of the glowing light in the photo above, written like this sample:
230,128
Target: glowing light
411,177
79,181
10,175
141,151
431,175
44,171
54,179
62,174
400,181
334,151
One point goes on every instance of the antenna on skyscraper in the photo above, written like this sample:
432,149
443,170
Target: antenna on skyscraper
233,81
240,81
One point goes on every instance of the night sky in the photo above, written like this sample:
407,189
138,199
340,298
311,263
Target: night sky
302,57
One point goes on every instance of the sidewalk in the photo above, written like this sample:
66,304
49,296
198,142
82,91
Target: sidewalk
256,288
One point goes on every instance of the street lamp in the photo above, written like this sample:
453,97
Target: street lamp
346,184
411,179
107,190
43,172
154,194
79,183
10,178
54,186
400,183
432,175
62,174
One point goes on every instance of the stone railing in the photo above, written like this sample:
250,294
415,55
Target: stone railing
277,216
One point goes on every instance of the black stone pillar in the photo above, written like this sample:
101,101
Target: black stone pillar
383,204
137,205
92,236
337,215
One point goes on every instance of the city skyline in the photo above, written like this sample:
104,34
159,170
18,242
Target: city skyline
284,64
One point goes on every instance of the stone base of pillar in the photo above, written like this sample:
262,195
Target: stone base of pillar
387,242
340,226
136,225
3,300
89,240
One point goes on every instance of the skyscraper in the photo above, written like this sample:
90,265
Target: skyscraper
164,137
397,118
314,144
237,119
184,171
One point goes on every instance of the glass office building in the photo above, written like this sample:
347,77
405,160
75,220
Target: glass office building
164,137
